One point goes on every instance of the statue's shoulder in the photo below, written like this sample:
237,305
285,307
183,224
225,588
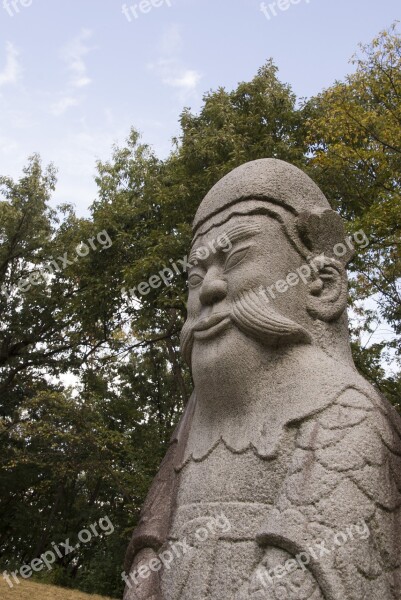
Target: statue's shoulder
358,441
356,409
351,398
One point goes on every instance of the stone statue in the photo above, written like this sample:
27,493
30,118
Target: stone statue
282,437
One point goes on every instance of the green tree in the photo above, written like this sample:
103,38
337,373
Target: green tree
354,132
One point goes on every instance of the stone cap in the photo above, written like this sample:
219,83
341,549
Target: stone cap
270,179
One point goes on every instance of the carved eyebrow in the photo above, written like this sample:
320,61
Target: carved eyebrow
192,255
233,235
243,231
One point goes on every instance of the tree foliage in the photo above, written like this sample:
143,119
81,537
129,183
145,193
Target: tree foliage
354,132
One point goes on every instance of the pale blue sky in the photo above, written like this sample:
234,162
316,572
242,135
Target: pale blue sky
76,75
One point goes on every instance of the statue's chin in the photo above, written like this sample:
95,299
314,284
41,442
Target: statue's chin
224,359
210,347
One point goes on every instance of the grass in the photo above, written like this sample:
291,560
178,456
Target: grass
27,590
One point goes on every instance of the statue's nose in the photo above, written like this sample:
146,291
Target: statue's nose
213,290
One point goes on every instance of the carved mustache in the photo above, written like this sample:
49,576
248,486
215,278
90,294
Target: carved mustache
253,315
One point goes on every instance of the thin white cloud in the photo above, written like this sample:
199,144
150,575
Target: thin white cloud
171,42
73,54
173,74
187,81
169,66
58,108
12,70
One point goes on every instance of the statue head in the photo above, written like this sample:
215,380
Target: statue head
279,279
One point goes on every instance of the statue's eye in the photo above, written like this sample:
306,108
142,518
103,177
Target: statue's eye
195,279
235,258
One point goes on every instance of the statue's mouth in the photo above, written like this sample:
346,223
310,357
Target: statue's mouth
211,325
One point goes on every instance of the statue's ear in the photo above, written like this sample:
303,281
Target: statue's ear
328,291
323,232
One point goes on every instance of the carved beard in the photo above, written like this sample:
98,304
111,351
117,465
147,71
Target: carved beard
252,314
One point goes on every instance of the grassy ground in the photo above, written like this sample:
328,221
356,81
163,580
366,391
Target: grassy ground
27,590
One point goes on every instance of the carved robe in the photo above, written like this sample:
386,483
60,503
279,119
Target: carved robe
335,461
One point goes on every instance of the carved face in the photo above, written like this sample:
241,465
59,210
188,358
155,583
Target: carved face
230,285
